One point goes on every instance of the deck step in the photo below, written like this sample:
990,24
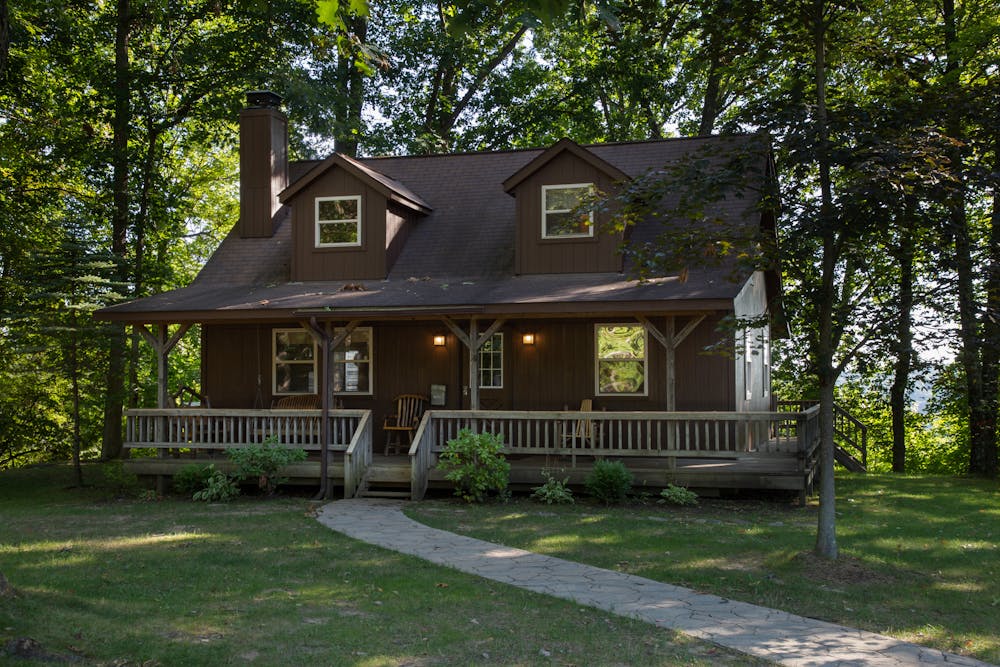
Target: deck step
371,493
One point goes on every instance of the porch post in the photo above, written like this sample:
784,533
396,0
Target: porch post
474,364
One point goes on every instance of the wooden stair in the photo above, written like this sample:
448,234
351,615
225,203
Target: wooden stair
386,479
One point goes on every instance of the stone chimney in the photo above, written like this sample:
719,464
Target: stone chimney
263,162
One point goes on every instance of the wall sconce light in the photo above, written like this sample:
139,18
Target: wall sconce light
438,341
528,338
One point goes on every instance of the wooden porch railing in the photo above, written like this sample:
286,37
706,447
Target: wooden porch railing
202,428
358,457
621,434
849,432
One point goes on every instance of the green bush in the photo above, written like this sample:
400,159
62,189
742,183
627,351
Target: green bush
609,482
678,495
263,462
117,482
192,478
476,464
219,487
553,491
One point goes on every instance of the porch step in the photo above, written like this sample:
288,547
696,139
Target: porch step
369,493
846,459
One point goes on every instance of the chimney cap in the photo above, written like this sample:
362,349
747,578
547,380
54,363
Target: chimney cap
263,99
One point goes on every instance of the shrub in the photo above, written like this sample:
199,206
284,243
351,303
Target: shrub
553,491
263,462
678,495
476,464
118,482
609,482
219,487
192,478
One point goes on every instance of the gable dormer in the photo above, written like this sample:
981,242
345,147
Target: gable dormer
348,221
553,235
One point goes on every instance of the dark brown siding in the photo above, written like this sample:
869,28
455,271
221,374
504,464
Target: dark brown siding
577,255
556,372
398,223
367,261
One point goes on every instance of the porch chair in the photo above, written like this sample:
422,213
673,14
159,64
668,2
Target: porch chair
409,410
296,402
582,433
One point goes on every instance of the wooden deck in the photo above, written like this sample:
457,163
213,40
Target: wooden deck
707,451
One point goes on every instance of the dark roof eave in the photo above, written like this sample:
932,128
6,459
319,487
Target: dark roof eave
533,309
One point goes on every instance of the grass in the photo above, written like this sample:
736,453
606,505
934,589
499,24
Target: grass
172,582
920,555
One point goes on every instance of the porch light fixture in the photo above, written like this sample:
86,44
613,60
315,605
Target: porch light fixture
438,341
528,338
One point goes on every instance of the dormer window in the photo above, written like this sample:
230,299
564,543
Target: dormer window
338,221
560,215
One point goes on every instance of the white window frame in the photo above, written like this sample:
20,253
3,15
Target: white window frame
314,363
598,360
765,336
545,211
498,348
357,222
275,363
748,363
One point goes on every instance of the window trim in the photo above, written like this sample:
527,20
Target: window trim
315,362
317,222
545,212
492,386
597,359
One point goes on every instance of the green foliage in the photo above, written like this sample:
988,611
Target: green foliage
117,482
553,491
678,495
219,488
262,463
476,464
192,478
609,482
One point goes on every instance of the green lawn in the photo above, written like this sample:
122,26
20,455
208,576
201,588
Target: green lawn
173,582
920,556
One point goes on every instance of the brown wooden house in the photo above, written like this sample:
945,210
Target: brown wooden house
474,281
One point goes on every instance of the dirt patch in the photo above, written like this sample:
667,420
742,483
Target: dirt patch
845,570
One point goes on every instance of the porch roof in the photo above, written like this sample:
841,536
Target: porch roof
535,295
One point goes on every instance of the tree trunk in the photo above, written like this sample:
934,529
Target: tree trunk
826,529
904,349
710,103
991,334
111,446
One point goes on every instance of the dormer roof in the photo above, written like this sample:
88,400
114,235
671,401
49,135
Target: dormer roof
564,145
390,188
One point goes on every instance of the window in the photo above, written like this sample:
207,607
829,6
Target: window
491,363
338,221
352,363
559,217
294,362
295,367
765,337
748,363
621,359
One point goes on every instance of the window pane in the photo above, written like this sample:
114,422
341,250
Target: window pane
338,209
621,377
294,379
621,342
562,199
563,224
338,232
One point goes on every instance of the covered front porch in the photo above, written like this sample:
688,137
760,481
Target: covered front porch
701,450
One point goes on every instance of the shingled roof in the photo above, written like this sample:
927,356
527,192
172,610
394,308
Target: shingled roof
460,255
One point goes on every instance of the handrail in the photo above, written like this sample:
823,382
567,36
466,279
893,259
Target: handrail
420,457
358,457
850,433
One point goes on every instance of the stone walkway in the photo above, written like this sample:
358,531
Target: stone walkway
766,633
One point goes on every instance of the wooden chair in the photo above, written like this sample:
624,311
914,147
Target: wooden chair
582,433
409,410
297,402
